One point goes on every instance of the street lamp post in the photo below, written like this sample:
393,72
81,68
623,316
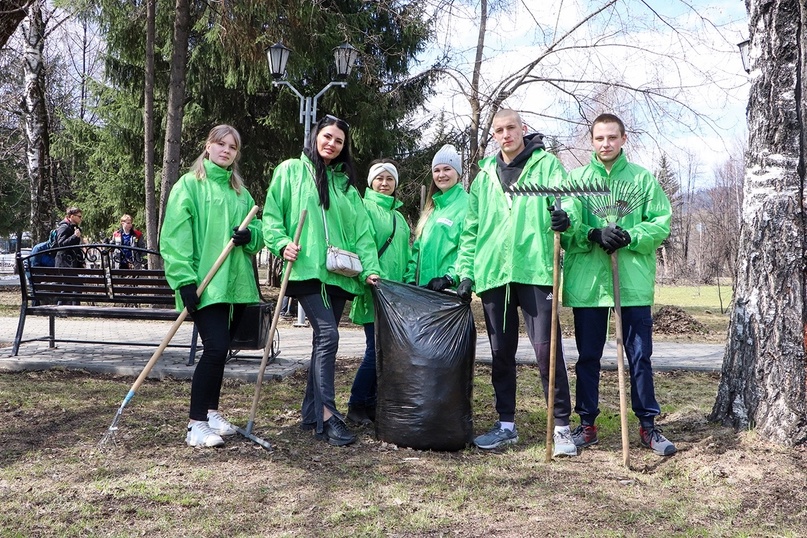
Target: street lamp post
344,58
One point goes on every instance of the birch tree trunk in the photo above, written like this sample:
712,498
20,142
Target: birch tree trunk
36,121
12,12
152,239
176,101
763,378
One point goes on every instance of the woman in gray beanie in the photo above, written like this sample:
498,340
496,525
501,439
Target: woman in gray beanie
437,234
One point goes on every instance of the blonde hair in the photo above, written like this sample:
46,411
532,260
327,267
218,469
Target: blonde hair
126,217
428,209
217,134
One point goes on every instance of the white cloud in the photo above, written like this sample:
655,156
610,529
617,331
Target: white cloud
668,45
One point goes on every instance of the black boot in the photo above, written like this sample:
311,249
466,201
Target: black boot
336,433
357,414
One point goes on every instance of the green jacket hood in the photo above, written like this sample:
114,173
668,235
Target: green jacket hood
508,238
199,219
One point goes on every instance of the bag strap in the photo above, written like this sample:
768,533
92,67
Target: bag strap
325,223
387,243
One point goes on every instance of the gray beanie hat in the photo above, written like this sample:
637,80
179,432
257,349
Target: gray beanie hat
448,155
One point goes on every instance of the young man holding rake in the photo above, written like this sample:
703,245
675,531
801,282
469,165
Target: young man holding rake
506,252
588,283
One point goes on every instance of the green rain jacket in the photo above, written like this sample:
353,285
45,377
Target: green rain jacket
382,209
436,248
587,268
509,238
199,219
293,189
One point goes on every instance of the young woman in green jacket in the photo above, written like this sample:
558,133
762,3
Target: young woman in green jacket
391,234
203,213
322,181
437,235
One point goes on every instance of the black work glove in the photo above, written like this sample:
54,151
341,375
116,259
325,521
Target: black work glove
560,220
464,290
189,298
241,237
439,283
610,238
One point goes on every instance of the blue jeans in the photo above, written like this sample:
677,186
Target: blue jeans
319,391
590,331
365,386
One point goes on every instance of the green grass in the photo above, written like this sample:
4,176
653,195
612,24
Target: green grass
700,297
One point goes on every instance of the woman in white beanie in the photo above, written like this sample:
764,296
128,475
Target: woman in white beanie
391,233
437,234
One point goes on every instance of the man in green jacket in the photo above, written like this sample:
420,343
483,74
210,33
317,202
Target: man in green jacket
588,282
506,252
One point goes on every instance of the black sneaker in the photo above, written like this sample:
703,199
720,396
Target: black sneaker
336,433
585,435
357,414
651,438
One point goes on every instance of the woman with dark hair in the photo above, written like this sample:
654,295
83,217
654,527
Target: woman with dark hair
322,181
391,234
203,213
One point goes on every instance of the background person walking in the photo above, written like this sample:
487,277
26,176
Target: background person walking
204,209
127,236
588,284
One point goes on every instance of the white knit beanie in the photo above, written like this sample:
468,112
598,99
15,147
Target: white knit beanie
448,155
377,168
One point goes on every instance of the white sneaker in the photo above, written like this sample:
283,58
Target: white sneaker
219,424
564,444
200,434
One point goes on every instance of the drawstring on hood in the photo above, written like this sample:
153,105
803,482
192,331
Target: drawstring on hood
510,172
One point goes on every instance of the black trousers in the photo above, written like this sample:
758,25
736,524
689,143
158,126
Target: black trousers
215,328
501,319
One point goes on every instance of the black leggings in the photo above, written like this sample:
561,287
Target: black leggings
500,306
215,328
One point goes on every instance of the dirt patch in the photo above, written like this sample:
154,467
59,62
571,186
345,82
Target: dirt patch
673,320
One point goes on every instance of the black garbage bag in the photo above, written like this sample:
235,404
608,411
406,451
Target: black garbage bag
425,351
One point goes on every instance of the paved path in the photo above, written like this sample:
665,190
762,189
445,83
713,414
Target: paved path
295,346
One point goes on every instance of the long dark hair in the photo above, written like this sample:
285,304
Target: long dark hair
345,158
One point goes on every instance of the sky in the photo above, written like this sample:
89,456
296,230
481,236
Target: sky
686,50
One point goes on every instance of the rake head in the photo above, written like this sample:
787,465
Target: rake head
623,199
569,188
109,436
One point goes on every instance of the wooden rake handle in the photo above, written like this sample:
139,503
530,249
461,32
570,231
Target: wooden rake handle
275,318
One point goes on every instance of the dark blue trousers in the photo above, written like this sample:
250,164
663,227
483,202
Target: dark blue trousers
590,332
364,391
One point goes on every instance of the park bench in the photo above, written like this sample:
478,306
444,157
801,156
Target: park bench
98,289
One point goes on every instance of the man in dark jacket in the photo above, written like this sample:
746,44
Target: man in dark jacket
68,234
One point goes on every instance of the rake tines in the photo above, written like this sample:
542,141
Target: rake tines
568,188
623,199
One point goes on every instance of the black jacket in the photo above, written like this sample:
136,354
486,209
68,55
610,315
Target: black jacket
65,237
